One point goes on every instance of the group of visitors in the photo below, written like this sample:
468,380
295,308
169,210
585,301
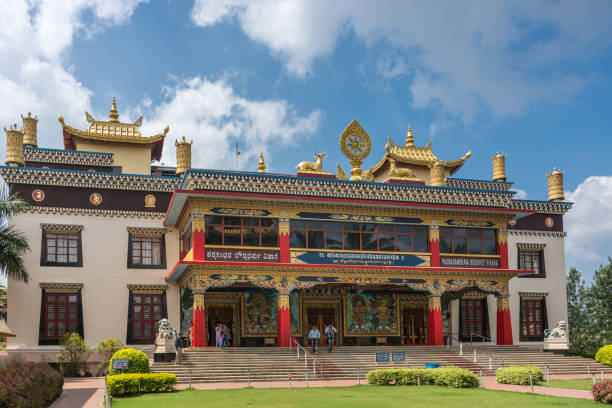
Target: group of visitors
314,335
223,335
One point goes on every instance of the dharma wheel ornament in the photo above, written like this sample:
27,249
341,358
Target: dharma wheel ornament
356,145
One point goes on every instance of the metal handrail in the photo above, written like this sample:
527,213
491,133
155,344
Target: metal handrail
472,335
298,346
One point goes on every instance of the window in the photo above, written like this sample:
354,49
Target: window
475,241
241,231
531,260
358,237
61,249
533,319
146,252
60,313
473,319
145,311
186,240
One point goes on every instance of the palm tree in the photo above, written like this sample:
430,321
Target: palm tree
13,243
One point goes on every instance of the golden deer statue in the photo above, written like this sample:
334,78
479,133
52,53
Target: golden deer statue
399,172
312,167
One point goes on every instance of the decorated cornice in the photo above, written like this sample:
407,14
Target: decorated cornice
86,179
533,295
55,287
61,228
544,207
534,233
286,185
478,184
94,212
144,289
530,246
56,156
142,232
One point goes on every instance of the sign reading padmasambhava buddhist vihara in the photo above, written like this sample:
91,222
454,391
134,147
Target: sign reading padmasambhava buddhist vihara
241,255
371,313
469,262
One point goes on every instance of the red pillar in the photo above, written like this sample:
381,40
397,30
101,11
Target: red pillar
283,240
504,324
199,321
435,331
434,245
502,248
283,322
198,239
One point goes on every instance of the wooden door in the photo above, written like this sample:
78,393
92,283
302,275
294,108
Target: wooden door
413,326
472,319
321,316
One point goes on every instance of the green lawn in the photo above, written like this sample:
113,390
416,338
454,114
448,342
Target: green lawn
350,397
581,384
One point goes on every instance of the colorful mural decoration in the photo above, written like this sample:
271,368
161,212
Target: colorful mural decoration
294,307
186,310
259,313
371,313
359,218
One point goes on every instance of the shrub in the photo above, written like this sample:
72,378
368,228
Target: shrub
73,359
604,355
519,375
139,363
28,384
108,347
602,392
124,384
446,376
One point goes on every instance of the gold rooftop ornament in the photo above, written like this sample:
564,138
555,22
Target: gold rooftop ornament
555,185
261,166
499,167
313,167
183,156
29,130
14,146
356,145
402,173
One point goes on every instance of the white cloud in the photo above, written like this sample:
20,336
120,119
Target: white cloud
588,223
467,56
215,117
520,194
34,77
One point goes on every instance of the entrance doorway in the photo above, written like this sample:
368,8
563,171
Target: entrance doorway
413,326
321,315
225,316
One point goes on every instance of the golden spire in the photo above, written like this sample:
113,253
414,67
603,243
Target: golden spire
114,115
409,137
261,167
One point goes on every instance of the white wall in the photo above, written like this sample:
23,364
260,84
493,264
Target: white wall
104,276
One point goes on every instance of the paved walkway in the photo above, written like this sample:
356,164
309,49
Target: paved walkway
87,392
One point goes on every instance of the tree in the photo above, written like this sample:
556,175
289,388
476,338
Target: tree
13,243
108,347
73,358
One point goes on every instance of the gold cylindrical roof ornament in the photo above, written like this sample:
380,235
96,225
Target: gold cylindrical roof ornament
261,166
555,185
499,167
29,130
183,156
14,146
437,174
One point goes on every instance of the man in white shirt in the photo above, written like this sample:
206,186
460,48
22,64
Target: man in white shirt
330,330
314,335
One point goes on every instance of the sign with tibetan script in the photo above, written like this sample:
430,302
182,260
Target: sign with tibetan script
241,255
359,258
469,262
398,356
382,357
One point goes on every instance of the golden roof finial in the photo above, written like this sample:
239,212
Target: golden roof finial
114,115
409,137
261,167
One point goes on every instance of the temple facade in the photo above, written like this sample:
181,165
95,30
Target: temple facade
402,253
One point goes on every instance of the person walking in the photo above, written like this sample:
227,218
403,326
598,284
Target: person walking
330,330
179,344
218,335
314,335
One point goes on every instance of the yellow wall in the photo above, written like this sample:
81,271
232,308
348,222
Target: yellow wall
134,159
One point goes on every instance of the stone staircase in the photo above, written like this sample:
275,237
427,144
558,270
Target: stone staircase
274,364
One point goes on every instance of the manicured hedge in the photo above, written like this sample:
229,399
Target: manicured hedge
446,376
124,384
602,392
604,355
139,363
28,384
519,375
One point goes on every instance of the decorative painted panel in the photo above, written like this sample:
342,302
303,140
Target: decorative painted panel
259,313
294,307
371,313
358,258
359,218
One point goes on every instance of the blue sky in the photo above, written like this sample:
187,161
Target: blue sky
530,79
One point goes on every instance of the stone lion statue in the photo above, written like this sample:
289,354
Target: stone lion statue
164,342
559,332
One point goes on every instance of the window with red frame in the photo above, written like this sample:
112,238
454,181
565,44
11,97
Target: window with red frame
533,321
146,251
62,248
472,319
532,261
61,314
147,309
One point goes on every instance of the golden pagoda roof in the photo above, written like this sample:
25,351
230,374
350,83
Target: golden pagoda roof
420,156
114,131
